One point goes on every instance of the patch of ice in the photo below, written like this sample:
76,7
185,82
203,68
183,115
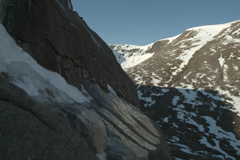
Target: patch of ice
237,32
166,119
101,156
174,125
132,55
120,58
174,139
234,100
148,100
190,96
185,148
185,57
111,90
135,60
175,100
207,144
222,134
221,61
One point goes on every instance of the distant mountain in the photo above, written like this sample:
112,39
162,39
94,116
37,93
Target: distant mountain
131,55
190,85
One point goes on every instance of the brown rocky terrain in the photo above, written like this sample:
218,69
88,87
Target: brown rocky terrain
190,87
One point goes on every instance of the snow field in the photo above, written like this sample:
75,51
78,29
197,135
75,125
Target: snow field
188,96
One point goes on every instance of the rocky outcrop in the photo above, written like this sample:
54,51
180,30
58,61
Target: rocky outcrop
61,41
100,120
30,130
130,133
112,127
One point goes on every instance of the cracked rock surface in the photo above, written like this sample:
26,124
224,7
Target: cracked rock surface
52,125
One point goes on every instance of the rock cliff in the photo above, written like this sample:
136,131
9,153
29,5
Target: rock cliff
60,40
42,116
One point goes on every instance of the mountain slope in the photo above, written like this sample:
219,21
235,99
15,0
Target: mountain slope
63,94
190,85
203,57
130,55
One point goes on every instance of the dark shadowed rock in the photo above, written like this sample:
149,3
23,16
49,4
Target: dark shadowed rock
107,119
29,130
59,40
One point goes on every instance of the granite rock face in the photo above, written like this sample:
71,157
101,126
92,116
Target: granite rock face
108,125
31,131
59,40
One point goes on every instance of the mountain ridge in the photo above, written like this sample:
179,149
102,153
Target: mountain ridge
190,87
122,48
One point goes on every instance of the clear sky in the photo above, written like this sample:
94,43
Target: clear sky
142,22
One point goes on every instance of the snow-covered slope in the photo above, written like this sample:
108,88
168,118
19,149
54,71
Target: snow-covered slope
198,124
190,86
201,57
23,71
131,55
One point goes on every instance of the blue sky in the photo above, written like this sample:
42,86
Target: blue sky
142,22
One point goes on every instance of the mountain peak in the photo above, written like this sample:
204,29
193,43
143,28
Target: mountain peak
190,85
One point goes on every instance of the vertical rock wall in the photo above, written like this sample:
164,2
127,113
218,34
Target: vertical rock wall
59,40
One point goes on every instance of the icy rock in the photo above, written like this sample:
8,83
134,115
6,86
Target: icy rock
89,124
32,131
61,41
131,135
